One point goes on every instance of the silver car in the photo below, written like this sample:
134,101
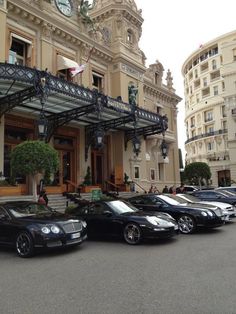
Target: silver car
228,210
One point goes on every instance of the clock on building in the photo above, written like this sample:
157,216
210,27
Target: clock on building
64,6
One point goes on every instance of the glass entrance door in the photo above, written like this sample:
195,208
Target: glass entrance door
97,168
65,172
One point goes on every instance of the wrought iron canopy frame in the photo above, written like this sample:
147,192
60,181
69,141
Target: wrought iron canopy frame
110,113
91,129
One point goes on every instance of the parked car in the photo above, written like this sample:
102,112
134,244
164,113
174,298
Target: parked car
190,188
227,188
228,210
188,216
28,225
116,218
215,195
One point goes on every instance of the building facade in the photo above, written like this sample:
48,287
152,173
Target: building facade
115,98
210,94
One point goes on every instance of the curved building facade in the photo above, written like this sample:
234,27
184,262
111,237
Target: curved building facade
210,108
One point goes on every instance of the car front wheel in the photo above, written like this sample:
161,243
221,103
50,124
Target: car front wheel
187,224
24,244
132,233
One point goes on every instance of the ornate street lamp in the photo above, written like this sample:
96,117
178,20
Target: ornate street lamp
99,135
136,145
164,149
42,125
42,122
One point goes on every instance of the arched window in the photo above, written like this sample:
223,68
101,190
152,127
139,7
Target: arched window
130,36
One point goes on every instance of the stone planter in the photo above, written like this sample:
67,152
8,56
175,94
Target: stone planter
89,188
19,189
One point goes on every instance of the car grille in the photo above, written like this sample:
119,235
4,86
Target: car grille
218,212
71,226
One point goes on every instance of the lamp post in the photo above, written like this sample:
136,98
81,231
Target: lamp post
42,122
42,125
99,135
136,145
164,149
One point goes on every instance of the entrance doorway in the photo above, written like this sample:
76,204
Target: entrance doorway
97,168
65,172
224,178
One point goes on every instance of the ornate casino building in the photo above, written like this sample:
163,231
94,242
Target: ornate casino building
116,116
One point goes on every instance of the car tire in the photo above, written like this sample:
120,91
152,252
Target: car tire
24,244
132,233
187,224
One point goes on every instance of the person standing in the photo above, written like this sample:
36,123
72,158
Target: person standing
43,199
165,189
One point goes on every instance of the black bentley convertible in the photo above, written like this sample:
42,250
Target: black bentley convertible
28,225
116,218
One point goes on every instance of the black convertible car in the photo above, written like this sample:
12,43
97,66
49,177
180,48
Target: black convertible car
29,225
115,218
188,216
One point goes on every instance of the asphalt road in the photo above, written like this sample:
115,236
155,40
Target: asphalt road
187,275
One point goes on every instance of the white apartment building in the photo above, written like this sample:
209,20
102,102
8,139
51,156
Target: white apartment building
210,107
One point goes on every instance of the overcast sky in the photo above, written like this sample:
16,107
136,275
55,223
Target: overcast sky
172,30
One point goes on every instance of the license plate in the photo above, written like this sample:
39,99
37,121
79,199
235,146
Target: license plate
75,235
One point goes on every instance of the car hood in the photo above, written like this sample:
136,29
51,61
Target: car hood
194,206
144,214
206,205
218,204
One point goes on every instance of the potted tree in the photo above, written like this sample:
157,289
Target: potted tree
32,158
86,186
126,182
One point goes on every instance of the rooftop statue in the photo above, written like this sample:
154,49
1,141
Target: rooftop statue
84,8
133,95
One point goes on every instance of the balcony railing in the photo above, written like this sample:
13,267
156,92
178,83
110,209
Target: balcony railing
200,136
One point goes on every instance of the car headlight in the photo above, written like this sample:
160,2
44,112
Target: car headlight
51,228
207,212
84,223
168,215
55,229
159,222
45,230
152,220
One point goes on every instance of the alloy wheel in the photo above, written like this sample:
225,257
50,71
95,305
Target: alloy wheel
186,224
24,245
132,233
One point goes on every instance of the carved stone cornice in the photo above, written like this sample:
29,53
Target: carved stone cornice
52,28
124,13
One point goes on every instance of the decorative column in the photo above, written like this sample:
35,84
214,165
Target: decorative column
3,58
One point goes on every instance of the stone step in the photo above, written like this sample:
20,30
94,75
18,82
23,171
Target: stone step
58,201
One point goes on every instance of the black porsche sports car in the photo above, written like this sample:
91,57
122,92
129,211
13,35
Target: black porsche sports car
116,218
188,216
29,225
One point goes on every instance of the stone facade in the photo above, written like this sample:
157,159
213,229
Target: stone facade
109,47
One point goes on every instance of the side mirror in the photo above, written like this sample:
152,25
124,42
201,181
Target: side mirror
107,213
3,217
159,204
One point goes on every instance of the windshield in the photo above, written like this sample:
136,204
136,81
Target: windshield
169,199
121,207
179,199
26,210
190,198
225,193
228,193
